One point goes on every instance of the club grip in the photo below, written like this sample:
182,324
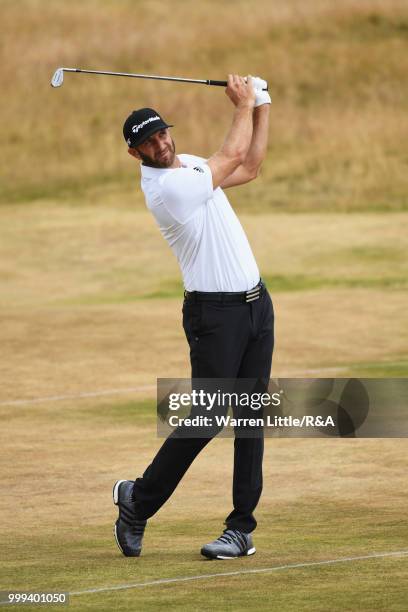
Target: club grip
224,84
219,83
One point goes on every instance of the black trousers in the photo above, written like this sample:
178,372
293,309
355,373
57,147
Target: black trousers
227,340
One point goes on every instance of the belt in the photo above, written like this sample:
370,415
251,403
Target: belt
226,296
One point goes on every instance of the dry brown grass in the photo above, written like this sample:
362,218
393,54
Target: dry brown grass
50,352
76,315
58,448
337,72
323,499
114,254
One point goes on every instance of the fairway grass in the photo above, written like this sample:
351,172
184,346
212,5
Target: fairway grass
81,255
91,299
91,303
323,500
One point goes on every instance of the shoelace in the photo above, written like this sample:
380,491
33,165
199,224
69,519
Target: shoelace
233,536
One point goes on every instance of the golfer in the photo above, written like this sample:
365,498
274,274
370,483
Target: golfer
227,311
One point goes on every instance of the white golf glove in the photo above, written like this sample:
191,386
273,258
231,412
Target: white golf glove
261,96
259,83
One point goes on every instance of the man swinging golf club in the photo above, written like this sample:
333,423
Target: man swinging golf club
227,311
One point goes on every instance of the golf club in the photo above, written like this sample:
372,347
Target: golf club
58,78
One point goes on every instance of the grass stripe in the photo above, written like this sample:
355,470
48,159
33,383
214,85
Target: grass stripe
264,570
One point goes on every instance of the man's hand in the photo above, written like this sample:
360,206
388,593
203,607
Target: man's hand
241,91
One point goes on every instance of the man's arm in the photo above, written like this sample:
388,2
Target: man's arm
249,168
235,148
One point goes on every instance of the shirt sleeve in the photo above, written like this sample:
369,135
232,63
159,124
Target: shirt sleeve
186,190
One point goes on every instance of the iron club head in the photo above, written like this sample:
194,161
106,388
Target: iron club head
58,78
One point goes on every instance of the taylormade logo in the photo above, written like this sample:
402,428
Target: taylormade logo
138,127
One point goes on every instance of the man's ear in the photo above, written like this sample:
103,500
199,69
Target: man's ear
134,152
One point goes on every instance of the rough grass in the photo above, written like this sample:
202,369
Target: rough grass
337,72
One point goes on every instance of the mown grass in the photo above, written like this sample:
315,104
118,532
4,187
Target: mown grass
323,499
91,298
74,256
339,130
90,561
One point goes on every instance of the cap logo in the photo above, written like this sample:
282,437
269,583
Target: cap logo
139,126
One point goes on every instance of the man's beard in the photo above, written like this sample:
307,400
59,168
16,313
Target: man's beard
153,163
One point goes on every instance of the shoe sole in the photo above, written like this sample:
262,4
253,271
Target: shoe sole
250,551
117,541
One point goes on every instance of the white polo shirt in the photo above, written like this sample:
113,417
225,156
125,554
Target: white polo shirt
200,226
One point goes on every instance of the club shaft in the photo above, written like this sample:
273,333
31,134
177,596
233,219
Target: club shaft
148,76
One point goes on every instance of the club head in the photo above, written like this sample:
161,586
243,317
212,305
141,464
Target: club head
58,78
